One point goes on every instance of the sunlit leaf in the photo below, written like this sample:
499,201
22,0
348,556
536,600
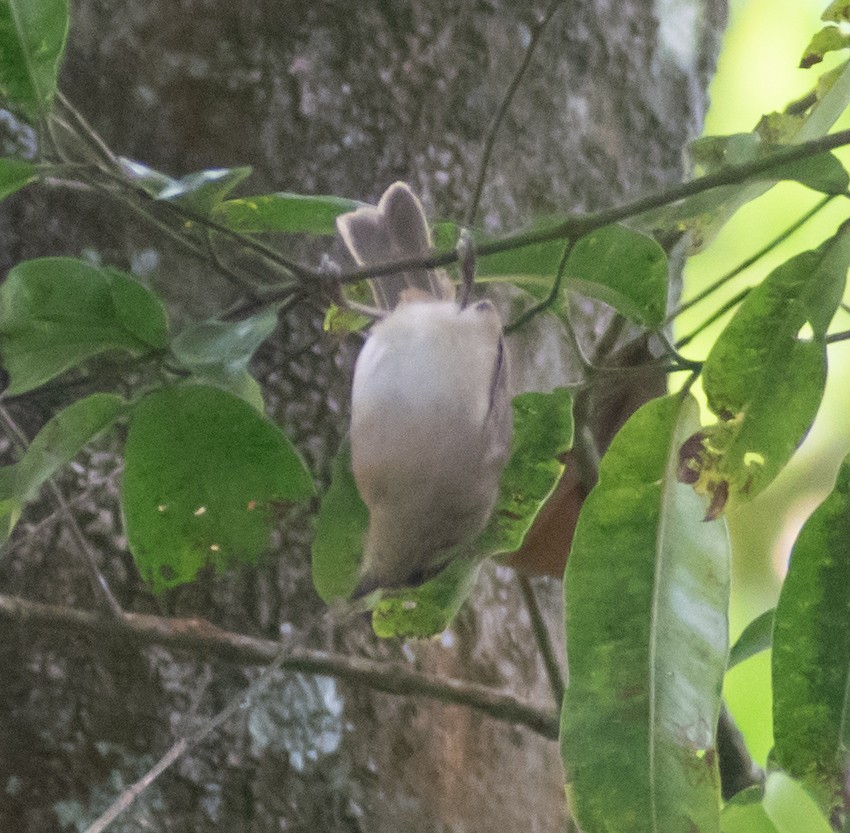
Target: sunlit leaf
754,639
700,217
56,312
57,443
646,591
782,806
14,174
283,212
32,40
829,39
765,375
204,476
838,11
811,653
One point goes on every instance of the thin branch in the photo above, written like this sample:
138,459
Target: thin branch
202,637
716,315
240,702
549,299
98,579
504,106
89,135
579,225
836,337
766,249
544,643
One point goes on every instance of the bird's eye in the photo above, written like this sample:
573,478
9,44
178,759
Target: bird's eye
483,306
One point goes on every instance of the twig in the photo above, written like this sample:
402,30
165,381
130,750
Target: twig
202,637
98,579
579,225
89,133
237,704
766,249
717,314
836,337
490,141
544,643
549,299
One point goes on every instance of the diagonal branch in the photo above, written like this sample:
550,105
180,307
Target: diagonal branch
203,637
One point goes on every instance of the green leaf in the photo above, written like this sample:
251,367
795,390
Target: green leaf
754,639
790,807
427,610
823,172
341,523
56,312
32,40
700,217
218,352
202,191
745,813
782,806
64,436
204,474
811,653
837,11
57,443
829,39
764,377
284,212
646,592
543,428
623,268
542,433
14,174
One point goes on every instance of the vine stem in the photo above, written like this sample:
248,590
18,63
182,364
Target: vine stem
504,106
750,261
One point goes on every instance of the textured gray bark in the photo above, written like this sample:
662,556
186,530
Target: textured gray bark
342,98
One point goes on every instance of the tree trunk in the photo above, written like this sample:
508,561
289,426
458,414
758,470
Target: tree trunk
331,98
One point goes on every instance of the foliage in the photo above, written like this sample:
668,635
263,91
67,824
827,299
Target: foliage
646,588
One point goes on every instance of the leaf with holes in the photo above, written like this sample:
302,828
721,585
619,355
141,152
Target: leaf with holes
543,430
204,477
765,375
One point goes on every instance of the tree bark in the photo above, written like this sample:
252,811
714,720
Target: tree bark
331,98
